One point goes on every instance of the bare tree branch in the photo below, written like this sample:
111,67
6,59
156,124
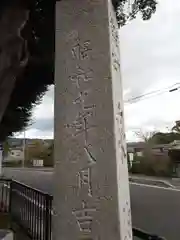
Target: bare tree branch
145,136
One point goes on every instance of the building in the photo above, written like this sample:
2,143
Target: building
174,154
19,142
137,148
14,154
160,150
16,147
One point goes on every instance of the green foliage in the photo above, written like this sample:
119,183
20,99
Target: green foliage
48,156
176,127
17,163
152,165
137,165
164,138
40,151
32,83
6,148
39,33
144,7
34,151
128,162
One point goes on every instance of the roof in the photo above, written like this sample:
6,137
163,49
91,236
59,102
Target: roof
141,145
175,145
136,144
18,142
16,148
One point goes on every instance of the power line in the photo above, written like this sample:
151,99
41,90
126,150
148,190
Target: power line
154,93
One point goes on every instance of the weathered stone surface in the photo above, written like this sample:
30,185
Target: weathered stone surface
91,191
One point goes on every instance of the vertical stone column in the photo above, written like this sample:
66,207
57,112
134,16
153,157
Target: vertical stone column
91,190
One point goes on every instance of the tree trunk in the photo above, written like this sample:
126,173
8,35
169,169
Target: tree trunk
13,50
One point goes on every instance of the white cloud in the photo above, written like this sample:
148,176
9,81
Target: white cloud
46,109
157,113
149,50
35,133
43,116
150,57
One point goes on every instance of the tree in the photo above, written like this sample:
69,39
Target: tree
176,127
35,150
29,68
48,156
151,163
145,136
145,7
39,150
155,137
165,138
6,148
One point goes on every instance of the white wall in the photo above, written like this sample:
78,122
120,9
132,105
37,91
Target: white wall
14,154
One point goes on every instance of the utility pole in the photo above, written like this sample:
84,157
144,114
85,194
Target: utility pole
1,157
24,149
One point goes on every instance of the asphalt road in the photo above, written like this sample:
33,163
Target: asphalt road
154,209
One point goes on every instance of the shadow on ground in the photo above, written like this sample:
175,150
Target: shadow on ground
5,223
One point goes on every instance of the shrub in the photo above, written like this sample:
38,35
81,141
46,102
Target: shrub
152,165
17,163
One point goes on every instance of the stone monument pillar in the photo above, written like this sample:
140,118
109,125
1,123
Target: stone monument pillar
91,190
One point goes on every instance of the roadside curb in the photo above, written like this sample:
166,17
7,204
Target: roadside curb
168,184
153,181
31,169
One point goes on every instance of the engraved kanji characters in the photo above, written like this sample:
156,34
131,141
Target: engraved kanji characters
121,135
81,125
80,50
85,179
127,220
81,100
84,217
91,158
114,31
84,176
81,76
115,61
114,44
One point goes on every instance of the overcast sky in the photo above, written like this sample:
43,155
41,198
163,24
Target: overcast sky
150,60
